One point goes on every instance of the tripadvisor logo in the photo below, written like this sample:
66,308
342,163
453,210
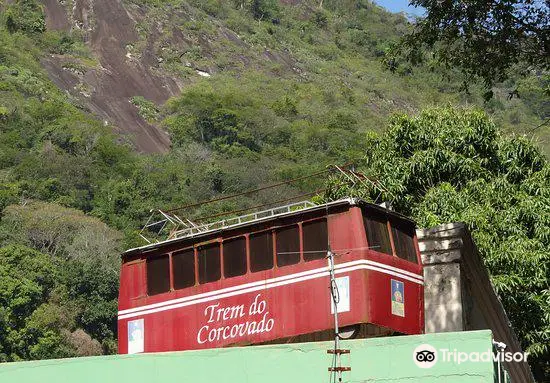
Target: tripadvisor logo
426,356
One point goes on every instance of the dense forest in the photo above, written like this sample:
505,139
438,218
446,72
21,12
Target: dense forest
266,91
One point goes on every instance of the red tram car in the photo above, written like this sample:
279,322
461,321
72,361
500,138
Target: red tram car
266,280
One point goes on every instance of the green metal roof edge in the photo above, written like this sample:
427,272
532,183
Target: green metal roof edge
388,359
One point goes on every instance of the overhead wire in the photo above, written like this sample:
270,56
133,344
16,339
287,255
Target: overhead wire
329,168
205,202
336,252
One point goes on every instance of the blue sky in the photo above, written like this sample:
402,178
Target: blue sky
399,5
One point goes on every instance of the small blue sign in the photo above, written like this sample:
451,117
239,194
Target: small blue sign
397,298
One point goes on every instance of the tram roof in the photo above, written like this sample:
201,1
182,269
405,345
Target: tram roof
330,205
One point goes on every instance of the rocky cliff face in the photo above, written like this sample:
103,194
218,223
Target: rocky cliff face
107,87
150,52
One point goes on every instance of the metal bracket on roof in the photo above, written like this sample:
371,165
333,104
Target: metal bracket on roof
191,230
355,178
161,224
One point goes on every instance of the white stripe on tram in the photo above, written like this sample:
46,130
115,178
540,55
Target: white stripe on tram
267,284
227,289
286,277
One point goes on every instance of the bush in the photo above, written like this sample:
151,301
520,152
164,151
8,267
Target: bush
264,9
25,16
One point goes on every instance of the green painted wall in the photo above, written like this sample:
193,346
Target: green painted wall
372,360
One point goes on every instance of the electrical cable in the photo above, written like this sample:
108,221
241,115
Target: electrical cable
204,202
335,251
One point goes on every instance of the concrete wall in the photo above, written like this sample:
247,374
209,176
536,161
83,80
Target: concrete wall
458,295
385,360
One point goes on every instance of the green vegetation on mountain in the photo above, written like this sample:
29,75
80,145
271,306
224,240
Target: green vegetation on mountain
340,56
292,88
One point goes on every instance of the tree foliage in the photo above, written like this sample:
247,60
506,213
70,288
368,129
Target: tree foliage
59,279
485,39
264,9
30,327
449,165
25,16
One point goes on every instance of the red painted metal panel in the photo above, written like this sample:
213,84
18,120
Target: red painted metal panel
132,282
280,302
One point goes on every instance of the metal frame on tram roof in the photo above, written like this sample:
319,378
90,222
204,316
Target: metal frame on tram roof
197,231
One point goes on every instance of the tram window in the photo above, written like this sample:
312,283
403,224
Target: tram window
234,257
403,240
261,251
158,274
183,268
315,237
378,236
288,246
209,263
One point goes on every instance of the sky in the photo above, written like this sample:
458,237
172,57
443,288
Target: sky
399,6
